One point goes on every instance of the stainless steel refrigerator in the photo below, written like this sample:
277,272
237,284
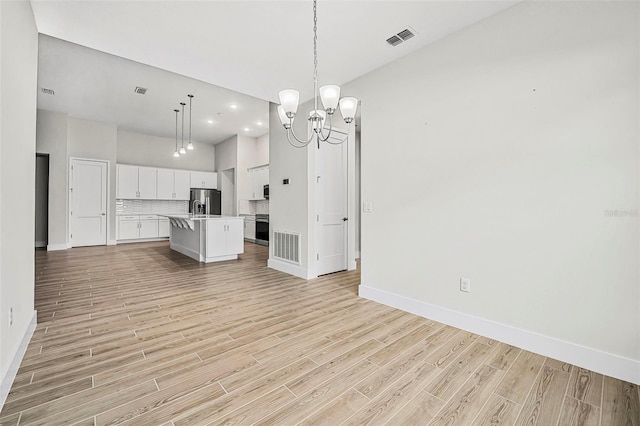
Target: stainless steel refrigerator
210,201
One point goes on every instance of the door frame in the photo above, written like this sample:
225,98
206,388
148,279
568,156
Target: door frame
70,203
313,202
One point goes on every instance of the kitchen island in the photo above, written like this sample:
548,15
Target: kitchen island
207,238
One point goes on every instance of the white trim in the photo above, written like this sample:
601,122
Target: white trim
112,242
54,247
357,254
7,380
592,359
291,269
139,240
107,197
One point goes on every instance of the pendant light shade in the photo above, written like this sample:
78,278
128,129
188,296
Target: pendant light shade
330,95
289,99
176,153
348,107
190,144
283,117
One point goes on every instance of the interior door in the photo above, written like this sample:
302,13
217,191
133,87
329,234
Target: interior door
88,216
331,206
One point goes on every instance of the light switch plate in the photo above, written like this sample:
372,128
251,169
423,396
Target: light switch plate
367,207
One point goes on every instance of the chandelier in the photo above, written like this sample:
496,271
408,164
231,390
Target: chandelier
330,97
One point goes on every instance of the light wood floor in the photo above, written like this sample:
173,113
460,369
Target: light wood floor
138,334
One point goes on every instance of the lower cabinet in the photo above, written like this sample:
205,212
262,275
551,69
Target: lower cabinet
250,228
224,237
138,227
164,228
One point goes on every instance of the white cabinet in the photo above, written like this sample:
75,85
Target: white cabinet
206,180
250,228
135,182
173,184
258,178
136,227
224,237
164,228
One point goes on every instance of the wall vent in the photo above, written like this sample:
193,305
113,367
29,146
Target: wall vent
47,91
140,90
403,35
286,246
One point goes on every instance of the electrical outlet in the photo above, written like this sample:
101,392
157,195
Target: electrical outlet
465,285
10,316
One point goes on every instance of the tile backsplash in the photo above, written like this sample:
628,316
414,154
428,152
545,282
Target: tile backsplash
253,207
151,207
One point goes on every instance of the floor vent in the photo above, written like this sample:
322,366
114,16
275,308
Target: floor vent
286,246
47,91
140,90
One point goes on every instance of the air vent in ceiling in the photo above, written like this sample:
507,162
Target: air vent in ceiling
140,90
47,91
394,40
403,35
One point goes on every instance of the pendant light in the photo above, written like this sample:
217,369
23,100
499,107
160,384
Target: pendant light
182,150
176,154
190,145
330,97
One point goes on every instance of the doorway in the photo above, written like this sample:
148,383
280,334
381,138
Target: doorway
332,205
228,189
42,201
88,203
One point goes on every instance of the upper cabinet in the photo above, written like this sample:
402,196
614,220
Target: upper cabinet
206,180
173,184
136,182
258,178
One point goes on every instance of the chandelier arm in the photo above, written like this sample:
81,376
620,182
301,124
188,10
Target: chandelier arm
301,145
302,141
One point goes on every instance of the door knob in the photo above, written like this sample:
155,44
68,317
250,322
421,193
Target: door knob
103,214
344,219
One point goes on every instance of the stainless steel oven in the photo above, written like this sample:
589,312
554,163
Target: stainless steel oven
262,229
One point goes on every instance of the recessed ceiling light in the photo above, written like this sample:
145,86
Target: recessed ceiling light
210,121
246,129
259,123
233,106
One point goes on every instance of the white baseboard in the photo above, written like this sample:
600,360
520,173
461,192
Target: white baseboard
592,359
291,269
54,247
8,379
111,242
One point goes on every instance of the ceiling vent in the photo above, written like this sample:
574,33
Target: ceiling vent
403,35
140,90
47,91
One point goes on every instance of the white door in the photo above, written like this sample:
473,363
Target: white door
331,206
88,216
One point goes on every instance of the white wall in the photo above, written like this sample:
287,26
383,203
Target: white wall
96,141
51,138
18,85
262,150
226,157
501,155
155,151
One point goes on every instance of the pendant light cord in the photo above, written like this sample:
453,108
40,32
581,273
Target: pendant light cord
176,129
183,104
190,99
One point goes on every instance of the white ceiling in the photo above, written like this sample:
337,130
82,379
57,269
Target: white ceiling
252,47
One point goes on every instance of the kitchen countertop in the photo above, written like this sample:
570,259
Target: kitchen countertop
198,217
